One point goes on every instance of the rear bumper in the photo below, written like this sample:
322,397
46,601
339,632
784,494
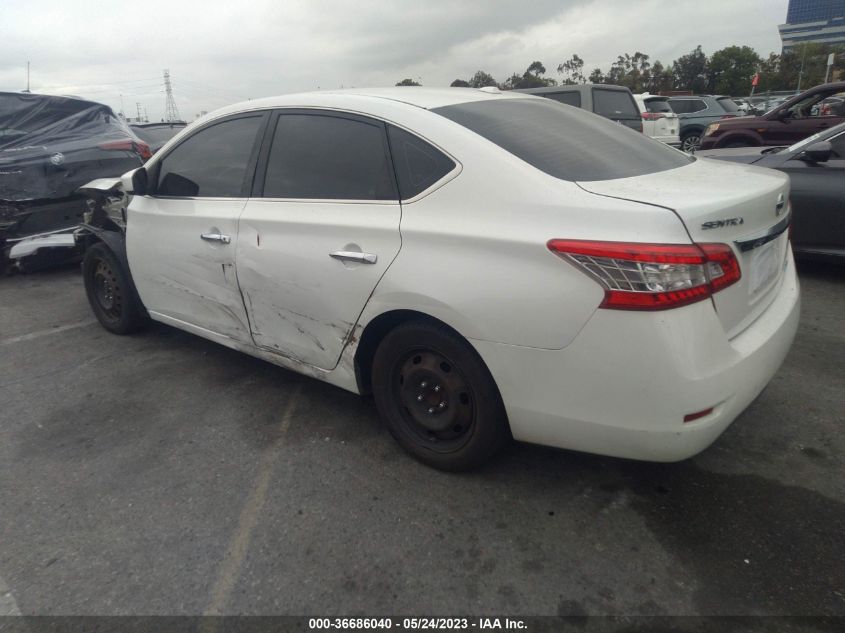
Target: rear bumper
624,385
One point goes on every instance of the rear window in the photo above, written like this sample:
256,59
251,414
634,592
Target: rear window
37,119
569,98
418,165
614,104
567,143
728,104
658,105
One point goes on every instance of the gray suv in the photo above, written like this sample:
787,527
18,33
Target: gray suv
697,112
613,102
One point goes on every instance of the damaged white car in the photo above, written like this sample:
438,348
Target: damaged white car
489,266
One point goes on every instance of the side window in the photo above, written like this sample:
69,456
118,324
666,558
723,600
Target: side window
211,163
679,106
572,98
614,103
418,164
328,157
697,105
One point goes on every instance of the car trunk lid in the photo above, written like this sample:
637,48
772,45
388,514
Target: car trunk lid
742,206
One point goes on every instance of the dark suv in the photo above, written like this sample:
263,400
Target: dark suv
812,111
697,112
613,102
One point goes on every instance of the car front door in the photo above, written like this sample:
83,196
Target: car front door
321,229
181,236
818,201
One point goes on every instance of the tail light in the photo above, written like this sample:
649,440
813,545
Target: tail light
653,116
139,147
639,276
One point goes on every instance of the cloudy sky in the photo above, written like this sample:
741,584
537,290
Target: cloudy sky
221,52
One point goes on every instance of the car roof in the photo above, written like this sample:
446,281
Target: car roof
29,96
570,88
426,98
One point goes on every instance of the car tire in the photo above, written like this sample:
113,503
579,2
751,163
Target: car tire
691,142
437,397
110,291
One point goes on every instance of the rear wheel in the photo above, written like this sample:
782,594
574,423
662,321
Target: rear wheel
110,292
437,397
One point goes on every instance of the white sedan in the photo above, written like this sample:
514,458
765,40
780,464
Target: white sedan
488,265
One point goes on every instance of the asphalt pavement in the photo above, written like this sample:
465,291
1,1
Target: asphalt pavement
163,474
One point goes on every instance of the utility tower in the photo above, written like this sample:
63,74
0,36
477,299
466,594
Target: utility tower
171,112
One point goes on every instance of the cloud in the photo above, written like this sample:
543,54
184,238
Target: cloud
220,52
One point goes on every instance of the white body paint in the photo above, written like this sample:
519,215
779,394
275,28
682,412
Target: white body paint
471,252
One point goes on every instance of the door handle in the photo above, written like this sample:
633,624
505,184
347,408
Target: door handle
354,256
216,237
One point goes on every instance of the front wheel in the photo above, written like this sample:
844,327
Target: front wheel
437,397
110,292
691,142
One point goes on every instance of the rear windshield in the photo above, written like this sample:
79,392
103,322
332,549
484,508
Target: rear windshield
564,142
614,104
728,104
658,105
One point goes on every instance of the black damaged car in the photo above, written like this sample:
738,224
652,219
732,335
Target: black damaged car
49,147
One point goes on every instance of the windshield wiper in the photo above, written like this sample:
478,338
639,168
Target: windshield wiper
773,150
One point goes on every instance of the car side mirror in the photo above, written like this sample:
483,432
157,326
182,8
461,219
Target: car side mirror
135,182
782,115
817,152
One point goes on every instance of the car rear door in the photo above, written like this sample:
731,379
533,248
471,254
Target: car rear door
318,233
181,237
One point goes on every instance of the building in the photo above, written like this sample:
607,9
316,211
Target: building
817,21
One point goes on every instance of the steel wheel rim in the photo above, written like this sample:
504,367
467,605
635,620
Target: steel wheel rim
107,291
436,403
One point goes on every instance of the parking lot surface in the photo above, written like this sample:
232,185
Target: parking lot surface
163,474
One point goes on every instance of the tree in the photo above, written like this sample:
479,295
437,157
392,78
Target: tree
731,69
536,69
596,77
459,83
807,62
531,78
691,71
481,79
662,79
633,71
572,70
408,82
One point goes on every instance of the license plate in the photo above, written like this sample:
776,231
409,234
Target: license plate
764,266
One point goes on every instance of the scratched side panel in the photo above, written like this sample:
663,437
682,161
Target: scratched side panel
180,275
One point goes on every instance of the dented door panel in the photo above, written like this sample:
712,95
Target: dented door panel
302,302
